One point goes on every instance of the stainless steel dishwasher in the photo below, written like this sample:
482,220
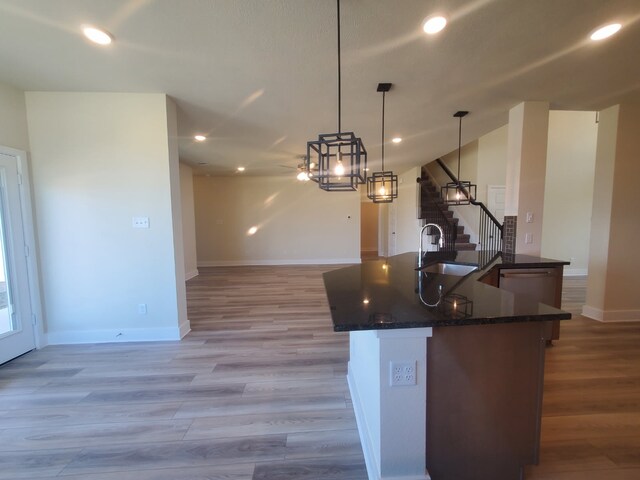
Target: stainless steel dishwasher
539,283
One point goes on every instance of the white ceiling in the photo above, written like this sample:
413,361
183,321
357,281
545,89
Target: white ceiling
259,76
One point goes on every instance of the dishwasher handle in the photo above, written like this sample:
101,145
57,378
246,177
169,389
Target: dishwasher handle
544,274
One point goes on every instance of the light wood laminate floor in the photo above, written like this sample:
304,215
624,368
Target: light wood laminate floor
257,390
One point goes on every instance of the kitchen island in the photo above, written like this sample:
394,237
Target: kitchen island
445,370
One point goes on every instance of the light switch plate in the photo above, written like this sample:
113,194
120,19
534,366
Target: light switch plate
529,217
140,222
528,238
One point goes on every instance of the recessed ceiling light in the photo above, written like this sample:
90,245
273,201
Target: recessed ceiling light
396,139
252,230
606,31
97,35
199,138
434,24
241,169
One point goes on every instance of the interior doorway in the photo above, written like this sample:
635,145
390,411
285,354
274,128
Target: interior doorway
369,222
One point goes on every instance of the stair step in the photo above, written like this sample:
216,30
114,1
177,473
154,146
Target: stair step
465,246
462,237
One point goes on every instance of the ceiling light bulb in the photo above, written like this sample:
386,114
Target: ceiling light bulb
96,35
252,230
339,169
365,301
200,138
434,25
312,165
303,176
241,169
457,195
382,190
396,140
606,31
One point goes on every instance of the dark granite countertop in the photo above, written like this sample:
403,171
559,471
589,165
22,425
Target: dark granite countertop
391,293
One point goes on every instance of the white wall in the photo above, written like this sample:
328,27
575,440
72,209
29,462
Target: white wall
297,222
13,118
188,221
407,223
568,195
98,160
492,161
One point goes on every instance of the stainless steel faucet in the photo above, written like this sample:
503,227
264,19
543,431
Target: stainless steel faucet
440,241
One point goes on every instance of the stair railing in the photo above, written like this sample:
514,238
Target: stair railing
490,231
431,210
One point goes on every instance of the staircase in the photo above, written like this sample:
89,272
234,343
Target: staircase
430,200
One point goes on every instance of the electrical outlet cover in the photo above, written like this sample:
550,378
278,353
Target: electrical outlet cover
402,374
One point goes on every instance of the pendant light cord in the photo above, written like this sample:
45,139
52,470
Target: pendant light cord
382,140
339,76
459,146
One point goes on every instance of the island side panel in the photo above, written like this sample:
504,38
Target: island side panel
484,399
391,420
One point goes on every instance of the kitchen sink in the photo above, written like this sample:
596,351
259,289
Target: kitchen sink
454,269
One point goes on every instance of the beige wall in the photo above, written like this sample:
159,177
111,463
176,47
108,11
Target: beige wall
492,161
98,160
297,222
407,223
13,118
571,155
188,221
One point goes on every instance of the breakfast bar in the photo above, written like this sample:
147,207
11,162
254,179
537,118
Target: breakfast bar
446,369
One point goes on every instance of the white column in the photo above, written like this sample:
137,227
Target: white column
391,419
612,285
526,168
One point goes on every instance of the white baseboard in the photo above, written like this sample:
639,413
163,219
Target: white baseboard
301,261
575,272
184,328
191,274
116,335
611,315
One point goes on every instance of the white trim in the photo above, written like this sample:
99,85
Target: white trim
575,272
191,274
611,315
303,261
184,328
114,335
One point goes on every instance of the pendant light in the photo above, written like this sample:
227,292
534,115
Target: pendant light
340,158
382,187
460,192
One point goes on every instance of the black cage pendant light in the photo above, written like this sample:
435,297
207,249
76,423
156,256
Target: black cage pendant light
382,187
340,158
460,192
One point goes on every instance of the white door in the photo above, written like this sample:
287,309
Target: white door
393,214
495,201
17,334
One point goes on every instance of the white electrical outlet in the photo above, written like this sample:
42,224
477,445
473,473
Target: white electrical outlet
142,308
528,238
402,373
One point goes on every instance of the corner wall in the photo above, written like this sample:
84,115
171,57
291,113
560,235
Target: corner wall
188,222
297,223
98,160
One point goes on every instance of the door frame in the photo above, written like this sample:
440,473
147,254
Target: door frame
33,272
